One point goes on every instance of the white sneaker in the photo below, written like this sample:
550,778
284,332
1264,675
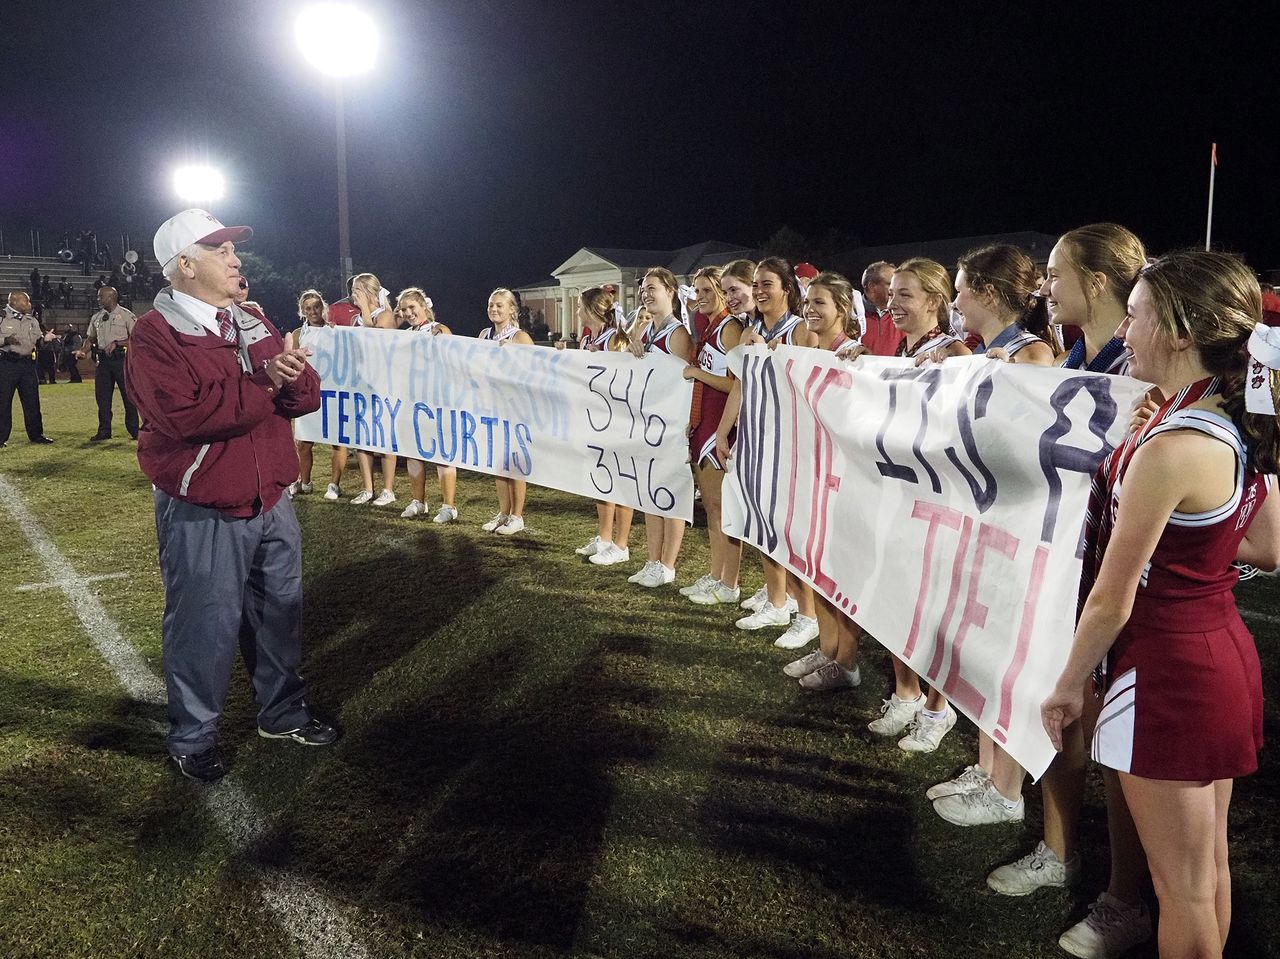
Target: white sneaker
292,489
447,514
925,734
973,779
594,545
361,497
768,615
718,593
306,488
332,492
790,606
610,554
699,585
415,509
642,572
807,664
980,808
799,634
1039,869
498,520
513,525
1111,929
831,677
385,498
658,575
757,599
896,715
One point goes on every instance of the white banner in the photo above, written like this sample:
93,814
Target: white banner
940,507
603,425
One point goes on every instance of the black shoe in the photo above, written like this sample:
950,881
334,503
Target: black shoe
311,733
205,767
99,437
41,440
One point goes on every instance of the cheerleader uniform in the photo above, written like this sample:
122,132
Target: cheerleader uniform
661,340
709,403
1012,339
1182,685
935,339
601,342
784,331
1112,358
509,333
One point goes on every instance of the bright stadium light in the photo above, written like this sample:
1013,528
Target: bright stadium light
337,38
198,183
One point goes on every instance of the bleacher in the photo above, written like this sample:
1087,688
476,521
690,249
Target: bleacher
15,274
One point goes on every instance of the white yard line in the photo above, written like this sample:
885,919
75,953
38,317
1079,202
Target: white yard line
314,923
32,587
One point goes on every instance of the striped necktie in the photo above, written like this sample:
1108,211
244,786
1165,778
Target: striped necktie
225,326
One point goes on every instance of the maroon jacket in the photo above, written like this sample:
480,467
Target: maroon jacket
212,433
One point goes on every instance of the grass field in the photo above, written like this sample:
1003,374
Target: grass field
539,759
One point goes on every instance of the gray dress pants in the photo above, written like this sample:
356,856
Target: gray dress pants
229,582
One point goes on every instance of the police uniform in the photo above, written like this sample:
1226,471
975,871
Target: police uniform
106,327
18,373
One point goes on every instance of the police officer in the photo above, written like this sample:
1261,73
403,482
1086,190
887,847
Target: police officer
19,332
109,331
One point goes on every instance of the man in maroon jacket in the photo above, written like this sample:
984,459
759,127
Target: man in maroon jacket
217,387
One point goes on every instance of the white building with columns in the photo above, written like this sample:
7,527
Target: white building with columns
598,266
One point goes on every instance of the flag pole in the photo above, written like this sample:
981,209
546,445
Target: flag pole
1213,169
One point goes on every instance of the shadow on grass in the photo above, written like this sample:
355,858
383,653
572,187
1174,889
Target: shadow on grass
482,777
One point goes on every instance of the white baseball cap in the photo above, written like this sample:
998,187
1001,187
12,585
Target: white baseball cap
194,226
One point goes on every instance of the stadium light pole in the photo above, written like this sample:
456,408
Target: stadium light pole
340,40
198,184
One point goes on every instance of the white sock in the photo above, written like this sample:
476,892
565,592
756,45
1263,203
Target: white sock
899,699
934,714
807,619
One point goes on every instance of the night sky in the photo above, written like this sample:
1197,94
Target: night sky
497,138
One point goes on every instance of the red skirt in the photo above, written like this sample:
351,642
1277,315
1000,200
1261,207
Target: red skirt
1182,705
702,441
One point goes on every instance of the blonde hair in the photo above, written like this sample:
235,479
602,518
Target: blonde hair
841,291
742,270
515,304
416,293
935,281
309,295
1109,249
712,275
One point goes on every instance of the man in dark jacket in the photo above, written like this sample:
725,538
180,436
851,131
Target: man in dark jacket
217,387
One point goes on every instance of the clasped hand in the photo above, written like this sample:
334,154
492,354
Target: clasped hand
287,366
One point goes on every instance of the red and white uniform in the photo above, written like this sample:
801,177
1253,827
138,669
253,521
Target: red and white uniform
1183,696
661,340
709,402
784,331
935,339
509,333
598,342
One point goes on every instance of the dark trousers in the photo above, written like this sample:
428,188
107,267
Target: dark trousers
71,365
20,375
109,376
48,367
229,582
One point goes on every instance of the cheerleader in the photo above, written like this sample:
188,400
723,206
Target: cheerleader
415,313
368,296
503,309
998,302
718,331
832,319
665,333
312,311
775,295
597,317
1172,508
1091,272
920,295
